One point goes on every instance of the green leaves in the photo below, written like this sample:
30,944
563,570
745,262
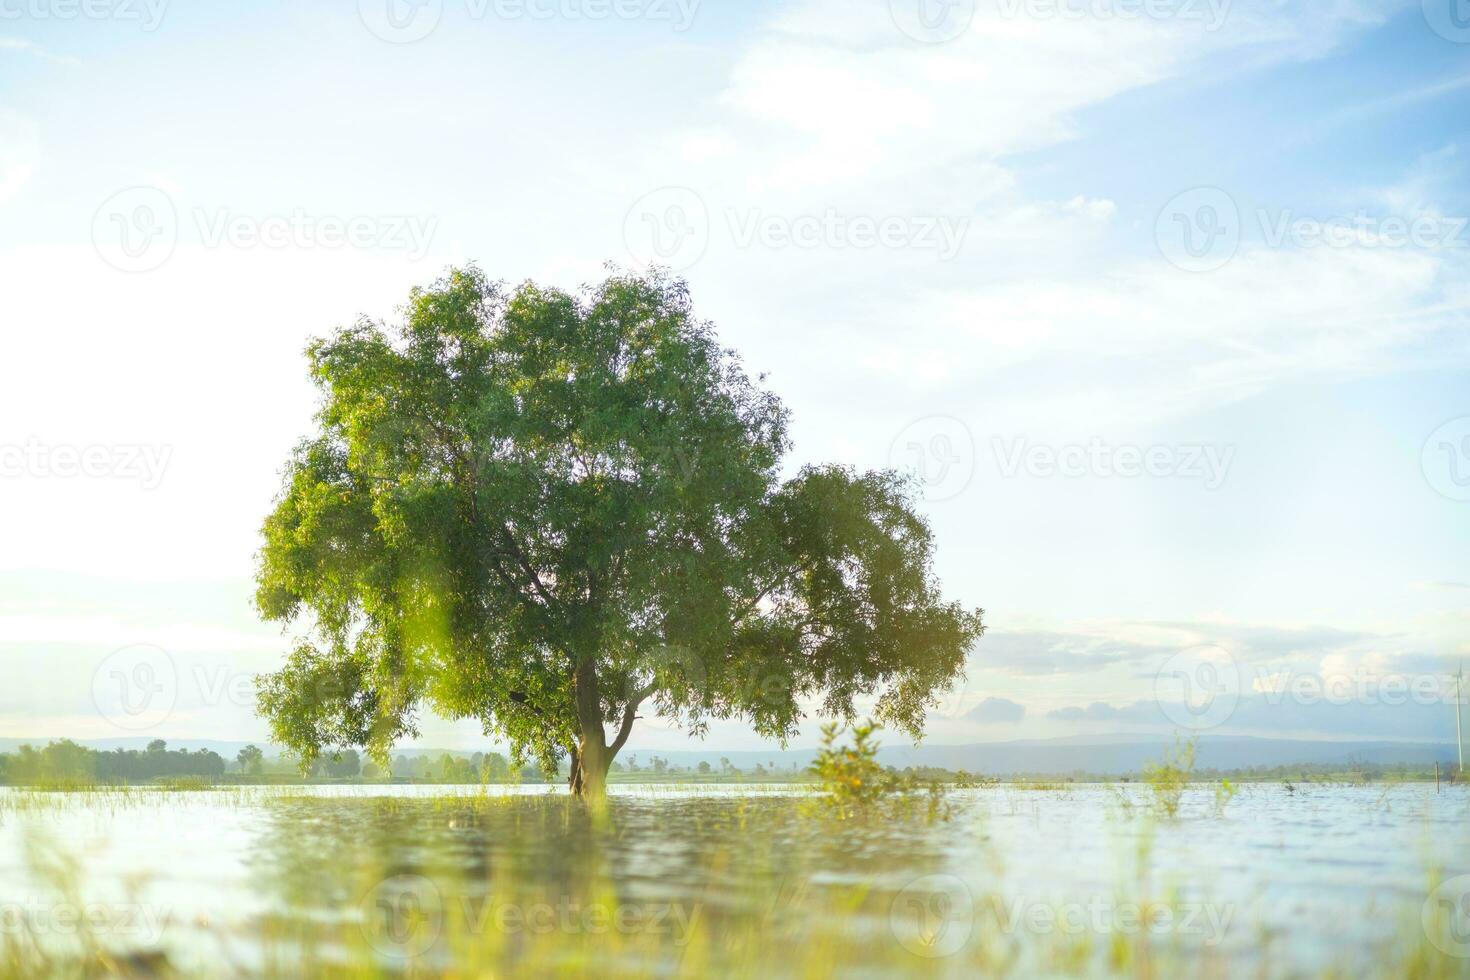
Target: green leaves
514,496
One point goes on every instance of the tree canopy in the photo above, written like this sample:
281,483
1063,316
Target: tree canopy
549,512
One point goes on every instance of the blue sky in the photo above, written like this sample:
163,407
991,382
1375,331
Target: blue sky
1014,250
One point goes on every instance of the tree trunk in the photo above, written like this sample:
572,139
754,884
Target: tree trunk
591,758
574,781
595,761
593,755
588,779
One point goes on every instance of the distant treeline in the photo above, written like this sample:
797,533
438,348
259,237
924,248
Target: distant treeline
68,762
1353,770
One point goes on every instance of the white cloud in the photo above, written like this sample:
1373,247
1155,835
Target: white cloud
20,149
31,47
1270,315
833,93
832,106
836,95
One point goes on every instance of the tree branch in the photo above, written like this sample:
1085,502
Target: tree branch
519,697
780,579
520,557
630,714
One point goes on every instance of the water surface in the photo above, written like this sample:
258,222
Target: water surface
1080,879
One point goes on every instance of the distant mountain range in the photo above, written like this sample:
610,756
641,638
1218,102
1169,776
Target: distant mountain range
1103,755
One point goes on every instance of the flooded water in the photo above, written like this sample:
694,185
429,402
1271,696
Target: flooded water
1077,880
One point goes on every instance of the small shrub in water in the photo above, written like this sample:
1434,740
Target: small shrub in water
854,778
1168,777
857,783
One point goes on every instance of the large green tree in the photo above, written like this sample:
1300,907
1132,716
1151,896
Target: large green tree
549,512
